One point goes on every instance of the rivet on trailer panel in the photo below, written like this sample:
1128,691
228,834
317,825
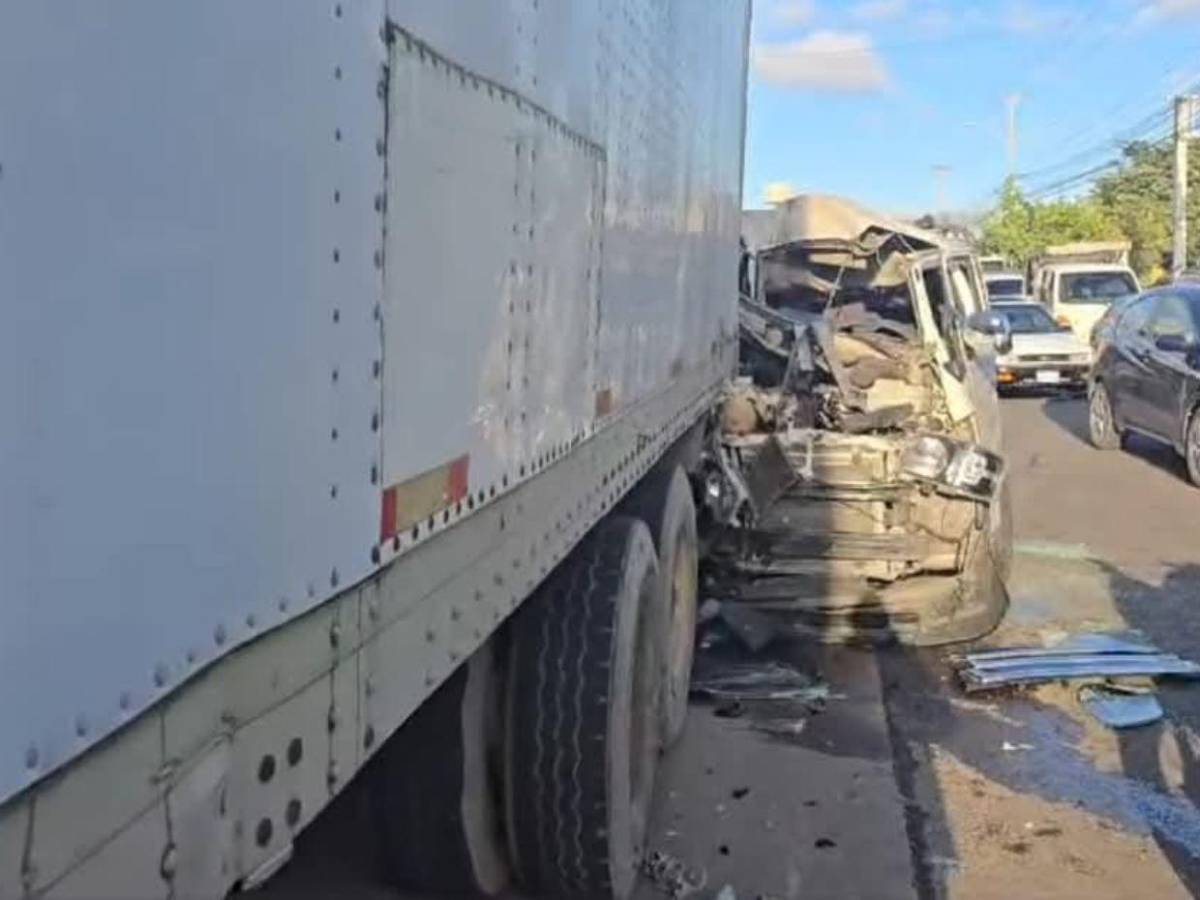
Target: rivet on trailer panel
160,675
335,634
169,862
262,833
219,635
332,721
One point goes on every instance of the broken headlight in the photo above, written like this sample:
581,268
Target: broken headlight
961,468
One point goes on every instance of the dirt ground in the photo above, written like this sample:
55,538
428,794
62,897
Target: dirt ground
901,786
1023,794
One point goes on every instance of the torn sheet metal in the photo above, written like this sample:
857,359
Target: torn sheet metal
1119,706
1055,665
1075,645
760,681
1078,660
769,475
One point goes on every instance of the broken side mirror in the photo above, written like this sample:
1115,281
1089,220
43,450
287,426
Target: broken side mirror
993,324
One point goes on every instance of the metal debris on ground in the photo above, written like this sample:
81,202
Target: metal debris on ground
672,876
1084,656
1120,706
784,728
754,629
768,680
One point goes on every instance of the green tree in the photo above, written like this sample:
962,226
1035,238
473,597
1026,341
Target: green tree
1020,229
1138,197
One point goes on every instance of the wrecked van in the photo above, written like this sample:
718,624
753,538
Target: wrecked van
865,427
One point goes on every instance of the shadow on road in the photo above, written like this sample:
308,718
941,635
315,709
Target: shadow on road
1071,415
1167,755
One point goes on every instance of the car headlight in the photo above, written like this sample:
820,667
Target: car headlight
926,457
960,468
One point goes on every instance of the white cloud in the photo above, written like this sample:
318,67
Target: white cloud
795,12
824,60
879,10
1155,10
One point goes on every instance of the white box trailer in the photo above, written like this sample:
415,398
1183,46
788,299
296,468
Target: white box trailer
332,327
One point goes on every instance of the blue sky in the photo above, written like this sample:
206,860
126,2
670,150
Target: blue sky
865,97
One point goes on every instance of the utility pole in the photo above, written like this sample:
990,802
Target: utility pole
940,173
1184,113
1011,102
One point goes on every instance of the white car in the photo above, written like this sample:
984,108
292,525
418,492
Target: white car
1044,353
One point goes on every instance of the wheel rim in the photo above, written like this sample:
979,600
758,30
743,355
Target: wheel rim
1100,418
1193,446
683,617
643,732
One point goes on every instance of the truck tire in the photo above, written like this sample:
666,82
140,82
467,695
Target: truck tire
664,502
436,808
582,717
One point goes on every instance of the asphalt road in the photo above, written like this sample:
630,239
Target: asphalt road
901,787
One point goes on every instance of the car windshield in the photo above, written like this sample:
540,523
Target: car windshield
1028,319
1005,287
1096,287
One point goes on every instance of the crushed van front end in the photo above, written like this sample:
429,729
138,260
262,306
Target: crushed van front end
869,537
865,428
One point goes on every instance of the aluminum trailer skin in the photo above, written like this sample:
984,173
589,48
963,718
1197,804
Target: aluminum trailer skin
331,329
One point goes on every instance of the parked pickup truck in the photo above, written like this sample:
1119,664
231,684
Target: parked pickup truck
867,427
359,359
1077,283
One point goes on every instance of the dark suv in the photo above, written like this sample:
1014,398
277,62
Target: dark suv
1146,374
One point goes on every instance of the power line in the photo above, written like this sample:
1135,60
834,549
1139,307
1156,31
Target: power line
1139,129
1064,185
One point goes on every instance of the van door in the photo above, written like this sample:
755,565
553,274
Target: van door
979,379
970,393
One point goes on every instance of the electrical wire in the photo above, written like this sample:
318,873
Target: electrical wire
1079,179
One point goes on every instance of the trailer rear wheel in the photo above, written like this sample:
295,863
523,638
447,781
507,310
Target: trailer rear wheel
664,502
435,806
582,717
